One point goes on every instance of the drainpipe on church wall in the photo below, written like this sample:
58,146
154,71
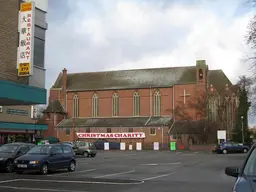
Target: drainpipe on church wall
150,100
173,104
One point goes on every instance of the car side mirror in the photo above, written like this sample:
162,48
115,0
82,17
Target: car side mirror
232,171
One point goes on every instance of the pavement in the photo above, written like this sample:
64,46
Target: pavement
134,171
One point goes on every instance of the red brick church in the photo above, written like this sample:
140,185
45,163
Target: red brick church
187,104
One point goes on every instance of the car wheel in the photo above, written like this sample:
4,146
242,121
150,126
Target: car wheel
86,154
245,150
8,166
44,169
72,166
224,151
93,155
19,172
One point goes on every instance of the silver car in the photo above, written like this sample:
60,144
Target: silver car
86,149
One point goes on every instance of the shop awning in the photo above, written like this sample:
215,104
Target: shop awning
18,94
22,126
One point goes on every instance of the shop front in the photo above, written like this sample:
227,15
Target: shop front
20,132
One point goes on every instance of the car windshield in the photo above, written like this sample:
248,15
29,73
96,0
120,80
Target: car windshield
250,167
8,148
41,149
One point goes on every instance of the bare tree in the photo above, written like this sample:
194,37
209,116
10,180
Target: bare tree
39,111
195,113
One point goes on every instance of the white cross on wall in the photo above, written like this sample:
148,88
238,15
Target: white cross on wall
184,96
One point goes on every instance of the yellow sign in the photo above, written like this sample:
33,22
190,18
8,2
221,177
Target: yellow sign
26,7
24,69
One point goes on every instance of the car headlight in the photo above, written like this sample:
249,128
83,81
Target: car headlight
15,161
1,158
33,162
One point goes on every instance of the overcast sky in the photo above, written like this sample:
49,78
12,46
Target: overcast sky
92,35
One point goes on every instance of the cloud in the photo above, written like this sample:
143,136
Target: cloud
99,35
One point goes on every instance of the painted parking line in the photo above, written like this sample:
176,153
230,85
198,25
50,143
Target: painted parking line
76,172
38,189
9,181
83,182
155,164
156,177
114,174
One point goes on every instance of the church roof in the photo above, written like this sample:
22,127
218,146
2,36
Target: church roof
129,79
115,122
218,79
139,78
55,106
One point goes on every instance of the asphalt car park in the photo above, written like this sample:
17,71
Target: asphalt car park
134,171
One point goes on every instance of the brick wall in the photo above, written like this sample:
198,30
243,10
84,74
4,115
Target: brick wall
9,41
125,102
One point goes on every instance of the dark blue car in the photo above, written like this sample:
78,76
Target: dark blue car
246,176
44,158
230,147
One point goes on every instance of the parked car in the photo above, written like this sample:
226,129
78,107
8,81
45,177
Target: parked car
230,147
9,152
112,145
44,158
245,176
87,149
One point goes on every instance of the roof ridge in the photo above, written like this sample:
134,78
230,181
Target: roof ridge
154,68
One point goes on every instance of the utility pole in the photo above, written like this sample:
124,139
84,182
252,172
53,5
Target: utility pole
242,122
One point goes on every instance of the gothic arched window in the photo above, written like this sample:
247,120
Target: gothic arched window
95,105
157,103
136,104
115,104
75,106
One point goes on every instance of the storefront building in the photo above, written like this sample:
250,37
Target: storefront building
22,74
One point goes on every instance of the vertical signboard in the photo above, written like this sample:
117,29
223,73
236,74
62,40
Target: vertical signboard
26,39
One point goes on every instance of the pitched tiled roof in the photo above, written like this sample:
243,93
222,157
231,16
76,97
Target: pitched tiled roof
115,122
139,78
218,79
125,79
55,106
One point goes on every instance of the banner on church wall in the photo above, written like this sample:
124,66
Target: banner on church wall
135,135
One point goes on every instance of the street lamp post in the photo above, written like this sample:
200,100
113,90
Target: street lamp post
242,122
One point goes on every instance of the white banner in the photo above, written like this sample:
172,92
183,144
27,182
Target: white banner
26,39
138,146
156,146
122,146
106,146
111,135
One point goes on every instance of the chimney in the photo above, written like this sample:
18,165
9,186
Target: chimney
64,86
